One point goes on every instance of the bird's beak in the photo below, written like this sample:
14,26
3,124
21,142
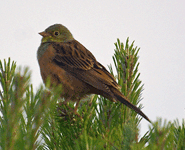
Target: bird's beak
44,34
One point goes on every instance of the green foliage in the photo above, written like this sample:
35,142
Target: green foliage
39,120
126,63
164,135
22,111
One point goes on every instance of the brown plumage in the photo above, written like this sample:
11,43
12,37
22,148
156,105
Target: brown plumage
69,63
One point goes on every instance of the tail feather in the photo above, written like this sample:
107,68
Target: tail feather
119,96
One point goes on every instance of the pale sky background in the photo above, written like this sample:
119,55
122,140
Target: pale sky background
158,28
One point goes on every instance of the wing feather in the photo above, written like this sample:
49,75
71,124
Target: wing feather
76,59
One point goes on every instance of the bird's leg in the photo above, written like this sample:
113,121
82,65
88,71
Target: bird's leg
92,98
67,100
65,103
76,107
73,110
64,111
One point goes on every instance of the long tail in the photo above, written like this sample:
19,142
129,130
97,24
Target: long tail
119,96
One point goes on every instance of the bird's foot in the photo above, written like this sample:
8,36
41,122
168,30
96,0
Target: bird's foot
63,110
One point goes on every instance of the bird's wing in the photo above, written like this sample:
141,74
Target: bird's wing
76,59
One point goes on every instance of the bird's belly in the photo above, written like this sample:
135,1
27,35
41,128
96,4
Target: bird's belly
72,87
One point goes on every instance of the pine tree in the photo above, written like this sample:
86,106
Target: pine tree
37,120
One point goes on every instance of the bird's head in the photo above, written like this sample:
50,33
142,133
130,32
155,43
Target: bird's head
56,33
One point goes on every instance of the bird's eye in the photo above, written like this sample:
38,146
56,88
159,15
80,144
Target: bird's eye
56,33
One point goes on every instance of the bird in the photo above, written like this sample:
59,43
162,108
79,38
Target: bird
67,62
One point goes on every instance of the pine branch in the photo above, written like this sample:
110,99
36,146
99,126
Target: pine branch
22,111
31,120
